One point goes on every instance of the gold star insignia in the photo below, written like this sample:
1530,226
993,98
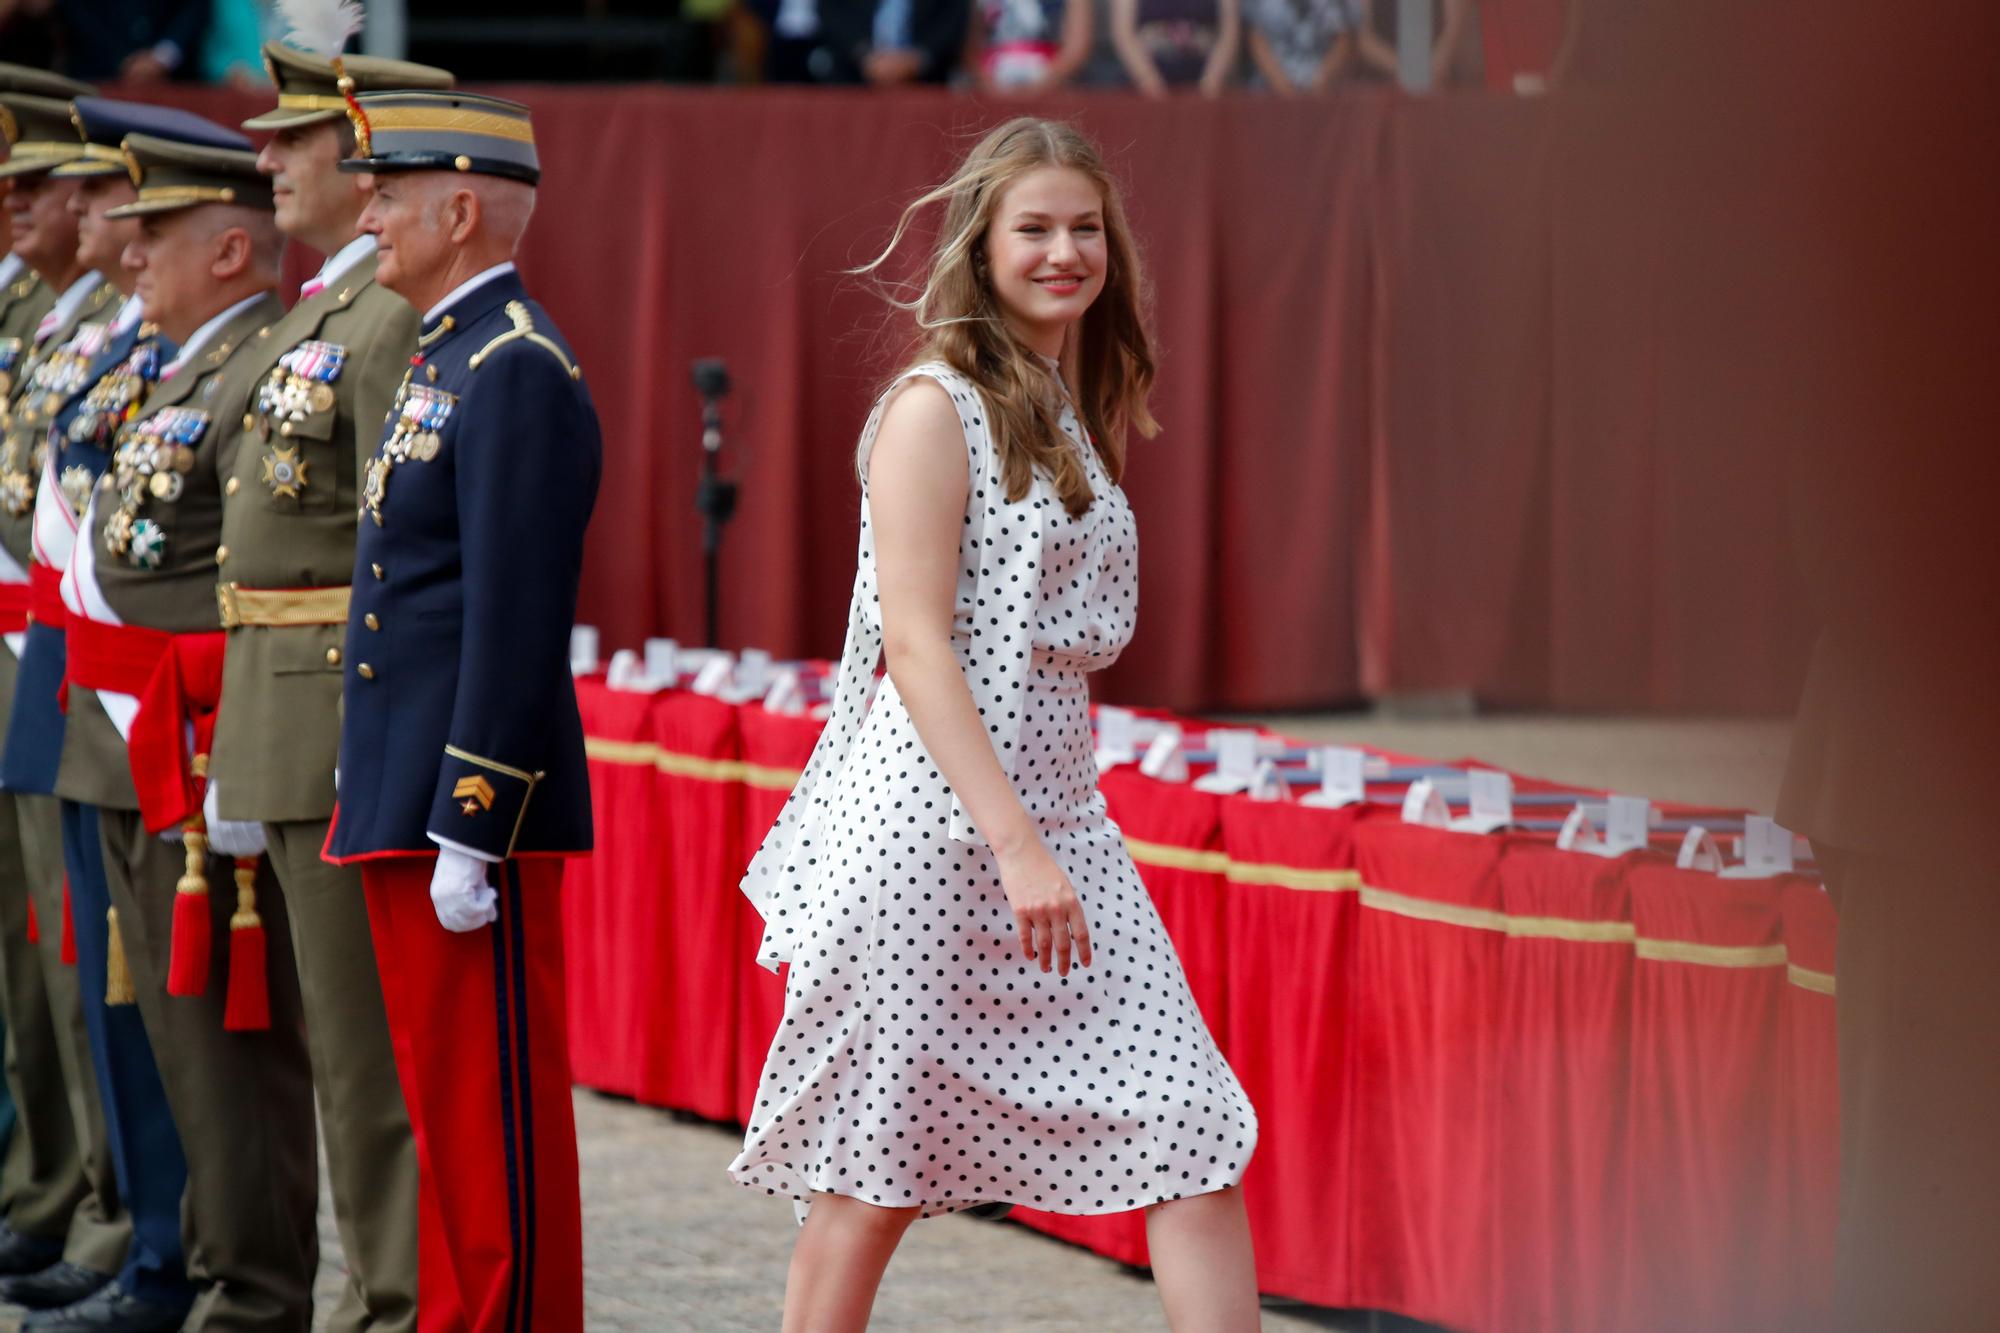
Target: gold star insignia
470,807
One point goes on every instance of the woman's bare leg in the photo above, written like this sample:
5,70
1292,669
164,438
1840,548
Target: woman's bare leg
838,1262
1202,1263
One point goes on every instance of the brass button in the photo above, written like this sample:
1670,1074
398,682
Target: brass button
377,569
249,420
235,485
285,429
370,621
333,657
367,672
221,554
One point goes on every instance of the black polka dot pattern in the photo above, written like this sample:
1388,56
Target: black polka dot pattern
922,1061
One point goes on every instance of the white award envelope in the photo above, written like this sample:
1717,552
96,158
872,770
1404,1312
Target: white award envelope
583,650
1235,762
1343,778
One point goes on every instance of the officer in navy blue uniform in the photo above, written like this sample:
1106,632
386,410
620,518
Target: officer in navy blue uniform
132,1170
462,776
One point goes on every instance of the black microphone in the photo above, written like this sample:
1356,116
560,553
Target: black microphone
715,497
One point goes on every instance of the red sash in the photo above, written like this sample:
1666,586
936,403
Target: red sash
177,679
45,603
13,607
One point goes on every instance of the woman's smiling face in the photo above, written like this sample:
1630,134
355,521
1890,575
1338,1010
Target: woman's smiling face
1046,253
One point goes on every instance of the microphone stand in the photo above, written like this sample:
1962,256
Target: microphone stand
715,497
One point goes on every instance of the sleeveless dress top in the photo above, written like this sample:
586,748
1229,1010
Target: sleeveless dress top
922,1061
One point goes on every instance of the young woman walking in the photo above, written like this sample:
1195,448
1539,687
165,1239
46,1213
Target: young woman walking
982,1006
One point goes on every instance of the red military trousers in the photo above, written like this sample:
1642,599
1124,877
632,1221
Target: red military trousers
478,1026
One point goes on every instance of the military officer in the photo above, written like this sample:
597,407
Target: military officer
144,646
24,297
85,1030
319,387
41,1175
462,771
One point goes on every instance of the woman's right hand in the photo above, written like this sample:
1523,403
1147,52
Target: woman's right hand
1047,912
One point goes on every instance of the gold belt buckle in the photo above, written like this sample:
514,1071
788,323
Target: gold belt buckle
225,597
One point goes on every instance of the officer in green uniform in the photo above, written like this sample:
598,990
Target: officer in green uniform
143,578
54,318
319,388
24,297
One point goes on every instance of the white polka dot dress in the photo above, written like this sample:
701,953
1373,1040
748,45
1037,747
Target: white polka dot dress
922,1060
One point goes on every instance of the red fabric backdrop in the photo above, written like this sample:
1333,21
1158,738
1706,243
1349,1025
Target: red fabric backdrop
1441,400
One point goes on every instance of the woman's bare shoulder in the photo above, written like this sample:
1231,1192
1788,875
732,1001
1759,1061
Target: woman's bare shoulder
919,421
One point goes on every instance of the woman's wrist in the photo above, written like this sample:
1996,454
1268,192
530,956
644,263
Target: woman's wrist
1012,841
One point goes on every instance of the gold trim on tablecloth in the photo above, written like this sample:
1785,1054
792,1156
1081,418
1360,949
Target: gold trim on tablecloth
1209,861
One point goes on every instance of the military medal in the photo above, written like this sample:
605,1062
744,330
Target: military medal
10,354
149,544
118,532
17,493
284,472
75,487
300,385
52,382
115,397
419,413
155,454
378,483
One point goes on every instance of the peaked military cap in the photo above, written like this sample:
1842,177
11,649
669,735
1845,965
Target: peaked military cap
103,125
39,133
173,175
309,86
40,83
443,131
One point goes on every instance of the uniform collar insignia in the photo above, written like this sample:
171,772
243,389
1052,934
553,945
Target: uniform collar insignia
474,306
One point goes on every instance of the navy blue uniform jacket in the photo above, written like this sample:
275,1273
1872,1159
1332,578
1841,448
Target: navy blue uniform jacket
459,714
35,730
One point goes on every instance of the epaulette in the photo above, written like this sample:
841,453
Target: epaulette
524,327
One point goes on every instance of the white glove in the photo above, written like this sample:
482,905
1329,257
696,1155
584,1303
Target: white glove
460,893
230,837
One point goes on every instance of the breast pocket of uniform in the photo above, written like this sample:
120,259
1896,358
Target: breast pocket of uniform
294,416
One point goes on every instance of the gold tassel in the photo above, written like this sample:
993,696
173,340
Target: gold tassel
117,973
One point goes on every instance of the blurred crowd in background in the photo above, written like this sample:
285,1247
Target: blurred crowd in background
1159,47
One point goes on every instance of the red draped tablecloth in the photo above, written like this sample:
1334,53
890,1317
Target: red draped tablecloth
1501,1086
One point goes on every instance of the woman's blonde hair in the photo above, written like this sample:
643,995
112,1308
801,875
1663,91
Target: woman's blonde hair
1110,360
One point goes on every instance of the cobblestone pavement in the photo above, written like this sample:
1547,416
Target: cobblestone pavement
670,1242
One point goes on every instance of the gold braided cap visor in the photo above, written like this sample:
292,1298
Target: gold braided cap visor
97,160
35,156
309,86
